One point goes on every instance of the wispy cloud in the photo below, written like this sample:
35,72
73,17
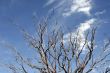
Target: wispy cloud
81,30
79,6
100,12
49,2
84,27
68,7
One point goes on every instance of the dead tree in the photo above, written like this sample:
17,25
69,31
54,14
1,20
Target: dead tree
56,56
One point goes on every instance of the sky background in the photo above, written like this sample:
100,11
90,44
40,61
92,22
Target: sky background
69,14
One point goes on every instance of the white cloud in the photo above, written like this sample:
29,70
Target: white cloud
79,6
68,7
84,27
49,2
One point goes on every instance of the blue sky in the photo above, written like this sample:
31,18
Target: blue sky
69,14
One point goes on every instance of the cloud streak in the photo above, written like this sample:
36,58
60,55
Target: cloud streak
79,6
69,7
49,2
100,12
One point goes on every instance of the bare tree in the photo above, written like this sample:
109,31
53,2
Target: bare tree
56,56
